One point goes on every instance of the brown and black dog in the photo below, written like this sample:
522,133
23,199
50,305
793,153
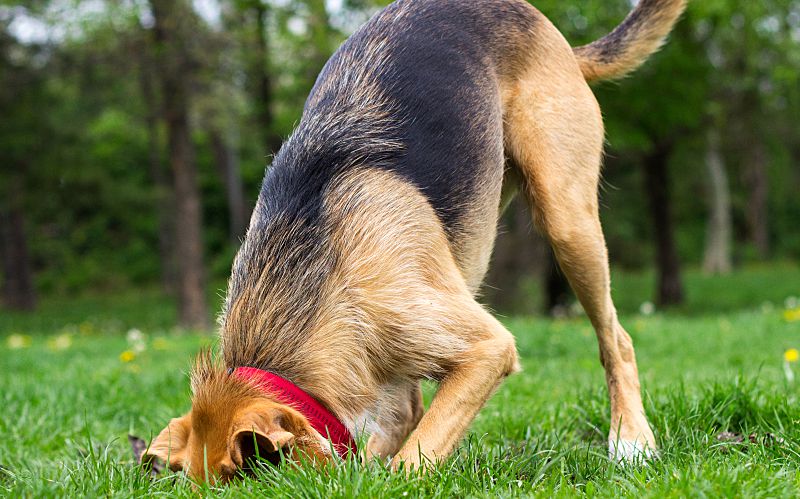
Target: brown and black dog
375,224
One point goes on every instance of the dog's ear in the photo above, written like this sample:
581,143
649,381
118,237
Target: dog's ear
169,447
259,431
267,430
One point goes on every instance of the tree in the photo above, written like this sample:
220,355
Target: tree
21,95
752,49
89,154
756,177
221,104
18,289
669,287
173,30
227,164
719,231
159,177
650,118
320,35
254,18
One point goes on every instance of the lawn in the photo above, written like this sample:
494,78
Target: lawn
75,381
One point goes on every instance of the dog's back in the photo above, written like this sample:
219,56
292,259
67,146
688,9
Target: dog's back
415,91
435,93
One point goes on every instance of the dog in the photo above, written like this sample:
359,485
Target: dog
374,228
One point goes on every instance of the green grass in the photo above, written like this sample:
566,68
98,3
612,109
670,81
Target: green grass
67,402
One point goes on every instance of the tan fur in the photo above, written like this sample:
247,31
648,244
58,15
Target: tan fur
394,262
395,422
396,310
385,299
554,134
226,413
642,33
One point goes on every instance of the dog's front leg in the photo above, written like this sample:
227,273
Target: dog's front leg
463,391
403,408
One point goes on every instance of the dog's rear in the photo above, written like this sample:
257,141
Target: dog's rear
554,138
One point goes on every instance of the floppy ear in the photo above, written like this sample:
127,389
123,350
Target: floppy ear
169,447
259,432
266,430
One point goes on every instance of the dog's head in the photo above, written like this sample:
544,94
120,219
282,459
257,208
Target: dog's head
231,424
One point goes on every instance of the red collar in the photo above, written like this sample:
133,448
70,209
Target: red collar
320,418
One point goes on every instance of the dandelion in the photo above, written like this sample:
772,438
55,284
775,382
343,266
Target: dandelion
647,308
127,356
790,357
136,341
134,336
791,302
792,315
18,341
61,342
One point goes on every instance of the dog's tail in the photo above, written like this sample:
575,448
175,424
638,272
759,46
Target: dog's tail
632,42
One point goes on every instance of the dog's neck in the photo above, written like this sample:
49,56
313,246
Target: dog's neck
319,417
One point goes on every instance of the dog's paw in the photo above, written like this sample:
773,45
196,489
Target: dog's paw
629,452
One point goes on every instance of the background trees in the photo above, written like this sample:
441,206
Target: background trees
134,136
175,25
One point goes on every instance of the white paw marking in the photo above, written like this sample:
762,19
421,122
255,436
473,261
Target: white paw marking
630,452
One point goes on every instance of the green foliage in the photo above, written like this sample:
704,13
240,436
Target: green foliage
75,122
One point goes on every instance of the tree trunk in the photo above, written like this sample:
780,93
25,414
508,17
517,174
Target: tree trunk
171,35
261,73
162,190
228,170
18,289
757,212
320,37
719,230
670,285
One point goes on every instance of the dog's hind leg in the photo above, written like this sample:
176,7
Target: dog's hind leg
554,133
396,421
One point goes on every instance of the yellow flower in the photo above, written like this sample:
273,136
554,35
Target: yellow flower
127,356
60,342
18,341
792,315
791,355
